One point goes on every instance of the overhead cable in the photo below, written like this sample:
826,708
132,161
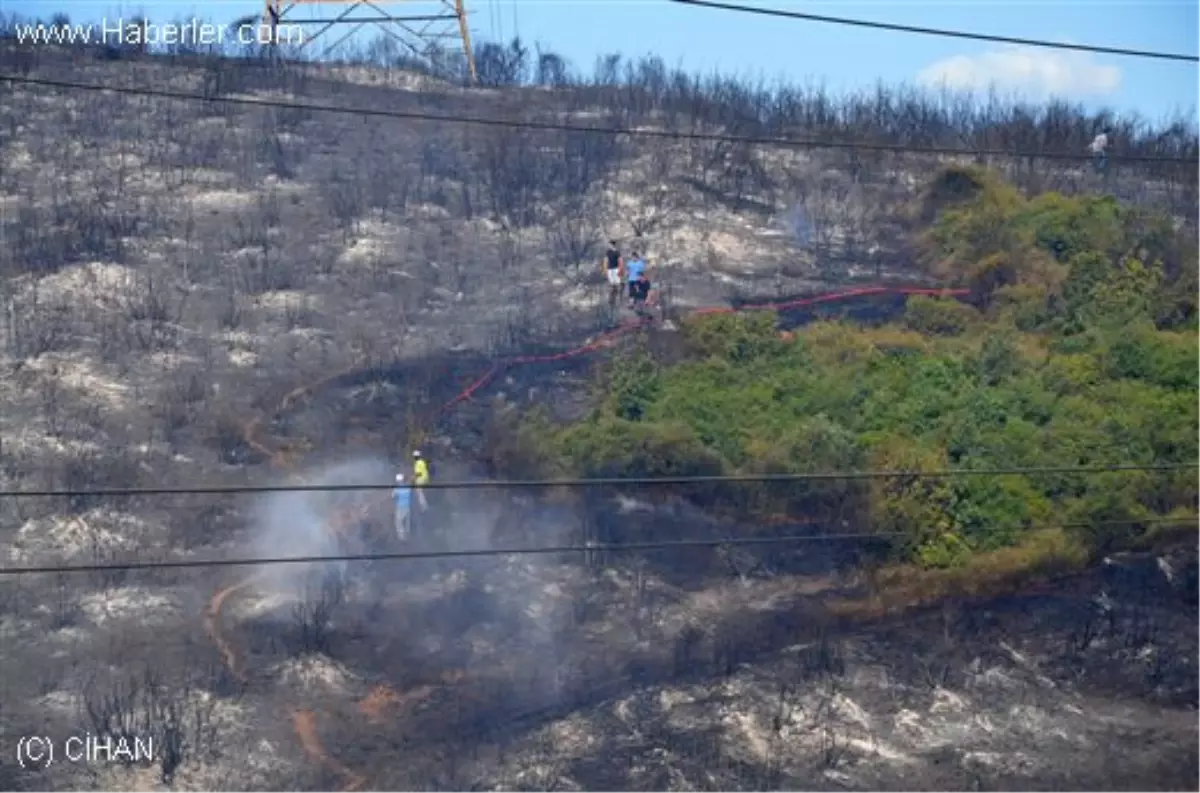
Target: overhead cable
529,551
465,553
957,34
546,484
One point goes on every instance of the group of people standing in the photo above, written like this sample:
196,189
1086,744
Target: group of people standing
623,275
403,495
629,275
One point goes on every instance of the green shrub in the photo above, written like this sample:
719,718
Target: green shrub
611,447
943,551
739,338
940,317
632,384
999,358
1166,359
1066,365
1065,227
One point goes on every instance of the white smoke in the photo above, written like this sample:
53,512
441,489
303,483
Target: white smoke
469,612
523,603
799,225
302,523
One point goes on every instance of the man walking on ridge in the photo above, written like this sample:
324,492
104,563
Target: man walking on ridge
614,267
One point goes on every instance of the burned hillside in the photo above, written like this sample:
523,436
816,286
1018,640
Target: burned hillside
206,292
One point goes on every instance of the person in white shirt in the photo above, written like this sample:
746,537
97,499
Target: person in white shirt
1099,150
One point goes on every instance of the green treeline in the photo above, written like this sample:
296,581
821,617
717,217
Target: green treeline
1077,347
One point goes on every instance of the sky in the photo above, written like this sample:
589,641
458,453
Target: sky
842,58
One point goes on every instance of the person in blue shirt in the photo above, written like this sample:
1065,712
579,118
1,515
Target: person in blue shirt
402,498
633,271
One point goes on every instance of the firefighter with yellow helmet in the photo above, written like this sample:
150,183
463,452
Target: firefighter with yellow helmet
420,478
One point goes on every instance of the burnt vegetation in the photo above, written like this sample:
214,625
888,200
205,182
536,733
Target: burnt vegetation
205,292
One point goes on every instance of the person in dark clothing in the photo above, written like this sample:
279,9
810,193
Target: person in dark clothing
639,295
614,267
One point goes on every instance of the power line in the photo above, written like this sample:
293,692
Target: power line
544,484
957,34
529,551
473,552
795,143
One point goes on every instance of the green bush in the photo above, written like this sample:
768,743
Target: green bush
610,447
1067,364
1065,227
939,317
944,551
739,338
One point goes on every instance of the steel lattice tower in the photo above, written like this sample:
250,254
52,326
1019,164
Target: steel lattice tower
418,33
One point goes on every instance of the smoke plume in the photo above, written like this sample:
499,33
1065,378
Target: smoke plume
498,617
304,523
800,226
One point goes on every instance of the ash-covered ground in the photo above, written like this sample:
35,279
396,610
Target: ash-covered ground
175,269
553,673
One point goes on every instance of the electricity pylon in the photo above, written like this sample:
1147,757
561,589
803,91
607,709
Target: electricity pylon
418,33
